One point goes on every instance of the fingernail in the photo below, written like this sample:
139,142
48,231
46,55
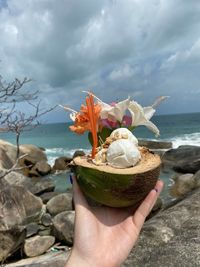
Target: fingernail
71,179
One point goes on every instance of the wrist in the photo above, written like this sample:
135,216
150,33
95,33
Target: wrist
75,260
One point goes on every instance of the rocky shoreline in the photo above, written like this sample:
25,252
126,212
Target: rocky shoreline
36,222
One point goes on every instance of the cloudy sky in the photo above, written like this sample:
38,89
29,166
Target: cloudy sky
116,48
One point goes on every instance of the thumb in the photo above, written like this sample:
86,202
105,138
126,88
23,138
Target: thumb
78,197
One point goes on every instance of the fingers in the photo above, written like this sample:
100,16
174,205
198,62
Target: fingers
79,198
144,209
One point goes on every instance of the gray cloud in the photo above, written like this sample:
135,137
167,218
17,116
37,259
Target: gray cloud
141,48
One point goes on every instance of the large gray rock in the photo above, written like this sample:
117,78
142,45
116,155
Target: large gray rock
9,150
41,168
32,229
18,179
10,241
78,153
48,195
36,185
5,162
59,203
18,207
155,144
63,227
184,159
182,185
61,163
171,238
50,259
42,185
34,153
37,245
197,179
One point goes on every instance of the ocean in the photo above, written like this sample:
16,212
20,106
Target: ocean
58,140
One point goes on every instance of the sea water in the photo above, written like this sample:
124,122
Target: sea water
58,140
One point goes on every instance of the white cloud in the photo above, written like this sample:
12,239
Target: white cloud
113,47
123,72
188,56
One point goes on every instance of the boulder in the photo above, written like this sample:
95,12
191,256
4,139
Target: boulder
37,245
61,163
46,219
36,185
41,168
32,229
45,232
5,162
48,195
18,207
184,159
9,149
151,144
78,153
42,185
50,259
171,238
59,203
18,179
182,185
63,227
34,153
197,178
10,241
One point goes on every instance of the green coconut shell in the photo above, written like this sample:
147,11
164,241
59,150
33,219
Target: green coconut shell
118,187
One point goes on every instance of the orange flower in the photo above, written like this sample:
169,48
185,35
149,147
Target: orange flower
82,119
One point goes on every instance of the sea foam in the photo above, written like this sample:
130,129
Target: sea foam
186,139
54,153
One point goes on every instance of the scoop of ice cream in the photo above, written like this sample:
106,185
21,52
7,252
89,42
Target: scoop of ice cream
124,133
122,153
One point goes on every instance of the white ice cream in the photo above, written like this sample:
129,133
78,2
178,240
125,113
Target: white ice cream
123,153
124,133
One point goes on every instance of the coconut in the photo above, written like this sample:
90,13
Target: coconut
118,187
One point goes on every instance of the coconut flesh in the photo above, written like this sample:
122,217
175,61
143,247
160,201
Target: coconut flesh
119,151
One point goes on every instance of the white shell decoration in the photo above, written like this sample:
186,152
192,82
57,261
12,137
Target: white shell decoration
122,153
124,133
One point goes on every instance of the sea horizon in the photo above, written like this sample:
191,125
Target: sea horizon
58,140
156,115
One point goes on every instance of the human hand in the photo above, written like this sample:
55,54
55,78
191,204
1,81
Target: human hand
104,236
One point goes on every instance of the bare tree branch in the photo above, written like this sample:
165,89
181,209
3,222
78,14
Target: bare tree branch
14,120
15,167
11,90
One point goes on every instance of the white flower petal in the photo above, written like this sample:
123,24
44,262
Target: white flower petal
159,100
72,116
149,111
116,112
140,118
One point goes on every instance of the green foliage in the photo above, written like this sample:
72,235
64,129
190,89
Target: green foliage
105,132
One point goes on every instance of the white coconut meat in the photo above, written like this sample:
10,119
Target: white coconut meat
123,153
100,157
124,133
